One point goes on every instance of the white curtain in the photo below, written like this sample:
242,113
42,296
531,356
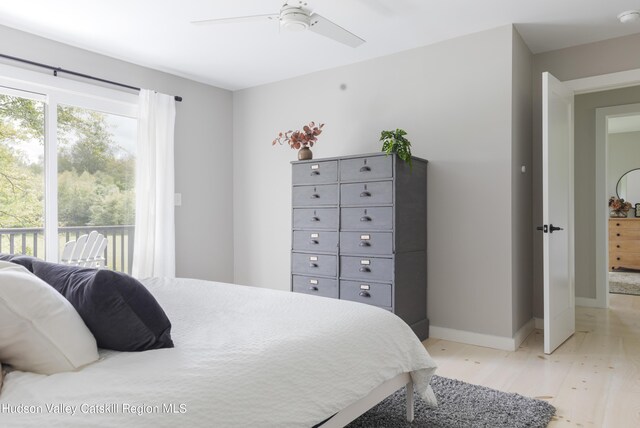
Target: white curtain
154,252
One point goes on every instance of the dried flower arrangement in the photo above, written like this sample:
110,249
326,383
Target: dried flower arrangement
619,207
302,138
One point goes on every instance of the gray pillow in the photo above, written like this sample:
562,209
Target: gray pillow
20,259
120,312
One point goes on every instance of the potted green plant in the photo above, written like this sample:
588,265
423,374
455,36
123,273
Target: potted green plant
395,142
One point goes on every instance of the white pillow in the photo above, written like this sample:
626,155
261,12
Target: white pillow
39,329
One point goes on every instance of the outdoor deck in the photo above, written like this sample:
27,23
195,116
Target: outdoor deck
30,241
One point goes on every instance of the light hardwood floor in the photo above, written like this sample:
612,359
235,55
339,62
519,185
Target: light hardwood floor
593,379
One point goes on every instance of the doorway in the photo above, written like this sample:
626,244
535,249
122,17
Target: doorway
618,138
593,95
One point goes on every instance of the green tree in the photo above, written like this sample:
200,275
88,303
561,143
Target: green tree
95,176
20,193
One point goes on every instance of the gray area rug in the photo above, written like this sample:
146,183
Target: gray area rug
460,405
621,282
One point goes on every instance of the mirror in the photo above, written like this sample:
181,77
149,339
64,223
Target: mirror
628,187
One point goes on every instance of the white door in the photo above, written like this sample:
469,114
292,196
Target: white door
557,212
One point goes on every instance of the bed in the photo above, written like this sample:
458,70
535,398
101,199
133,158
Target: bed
243,356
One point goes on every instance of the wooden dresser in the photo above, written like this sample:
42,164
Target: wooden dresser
359,233
624,243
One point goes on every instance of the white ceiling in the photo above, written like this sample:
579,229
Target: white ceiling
617,125
158,33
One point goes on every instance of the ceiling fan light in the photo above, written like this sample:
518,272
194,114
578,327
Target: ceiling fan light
294,18
294,25
629,16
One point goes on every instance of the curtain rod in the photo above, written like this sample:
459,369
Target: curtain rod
57,70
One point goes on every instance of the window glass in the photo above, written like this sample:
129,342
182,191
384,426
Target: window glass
21,175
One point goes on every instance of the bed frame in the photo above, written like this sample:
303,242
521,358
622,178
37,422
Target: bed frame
356,409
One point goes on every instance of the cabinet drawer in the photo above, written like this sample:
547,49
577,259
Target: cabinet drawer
369,292
326,194
366,268
621,234
366,168
318,218
624,224
624,246
315,172
371,218
373,193
324,287
314,264
624,260
310,240
376,243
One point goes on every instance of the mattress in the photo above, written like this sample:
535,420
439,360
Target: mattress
243,356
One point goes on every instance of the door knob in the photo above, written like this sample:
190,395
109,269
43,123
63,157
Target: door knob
553,228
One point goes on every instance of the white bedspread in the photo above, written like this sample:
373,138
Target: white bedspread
244,357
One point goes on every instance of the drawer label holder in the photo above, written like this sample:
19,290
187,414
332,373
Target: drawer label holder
365,262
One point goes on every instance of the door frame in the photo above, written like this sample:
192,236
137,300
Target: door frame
583,86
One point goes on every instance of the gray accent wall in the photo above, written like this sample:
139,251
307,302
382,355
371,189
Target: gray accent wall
592,59
623,156
455,100
203,148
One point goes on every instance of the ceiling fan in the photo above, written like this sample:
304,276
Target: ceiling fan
297,17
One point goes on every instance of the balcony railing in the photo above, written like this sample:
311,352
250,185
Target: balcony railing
30,241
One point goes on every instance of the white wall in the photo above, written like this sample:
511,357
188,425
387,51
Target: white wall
203,152
623,155
454,99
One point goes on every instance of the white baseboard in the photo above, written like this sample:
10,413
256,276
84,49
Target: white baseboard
539,323
587,302
480,339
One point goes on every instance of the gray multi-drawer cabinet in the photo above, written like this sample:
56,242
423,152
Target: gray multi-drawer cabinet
360,233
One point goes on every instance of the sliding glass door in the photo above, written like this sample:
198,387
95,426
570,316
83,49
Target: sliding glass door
67,169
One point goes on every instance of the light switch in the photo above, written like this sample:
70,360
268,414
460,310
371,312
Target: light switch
177,199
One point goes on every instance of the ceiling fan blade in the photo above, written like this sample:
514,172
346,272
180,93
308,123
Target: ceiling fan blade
324,27
237,19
